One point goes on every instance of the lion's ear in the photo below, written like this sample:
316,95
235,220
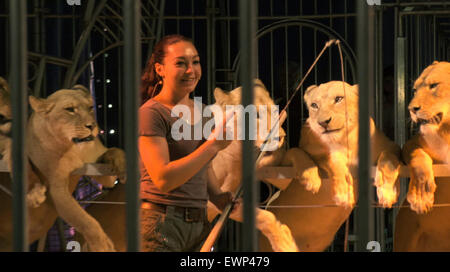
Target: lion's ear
308,92
40,105
81,88
258,81
220,96
355,89
435,62
259,86
4,85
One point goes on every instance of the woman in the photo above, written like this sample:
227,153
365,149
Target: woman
174,187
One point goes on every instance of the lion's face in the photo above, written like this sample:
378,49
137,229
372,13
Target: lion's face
68,115
431,102
265,117
5,109
332,111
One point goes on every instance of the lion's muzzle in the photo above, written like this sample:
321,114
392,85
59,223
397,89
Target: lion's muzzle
82,140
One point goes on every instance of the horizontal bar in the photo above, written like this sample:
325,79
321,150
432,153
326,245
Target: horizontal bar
268,172
415,4
200,17
425,12
281,176
89,169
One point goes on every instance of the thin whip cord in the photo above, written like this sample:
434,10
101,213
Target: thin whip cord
328,44
8,192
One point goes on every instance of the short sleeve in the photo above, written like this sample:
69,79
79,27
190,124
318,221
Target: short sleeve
151,123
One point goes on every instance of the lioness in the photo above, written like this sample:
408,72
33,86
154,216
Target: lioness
5,111
61,138
225,170
329,141
5,120
36,195
424,228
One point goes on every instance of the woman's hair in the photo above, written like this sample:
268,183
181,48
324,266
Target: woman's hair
150,80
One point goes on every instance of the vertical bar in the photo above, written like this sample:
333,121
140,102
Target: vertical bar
105,95
330,52
247,30
345,37
364,212
400,102
315,54
417,45
300,70
379,90
193,38
132,62
121,98
178,14
286,74
210,48
160,20
300,73
7,38
435,39
272,77
18,75
192,21
229,57
36,26
159,25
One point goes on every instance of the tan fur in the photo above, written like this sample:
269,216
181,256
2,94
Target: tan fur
5,121
424,228
55,122
336,154
5,111
226,167
35,195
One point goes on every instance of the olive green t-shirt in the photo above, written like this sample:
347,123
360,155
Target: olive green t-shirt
155,120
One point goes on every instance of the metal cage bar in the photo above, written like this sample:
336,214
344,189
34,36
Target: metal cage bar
18,53
364,213
132,63
247,31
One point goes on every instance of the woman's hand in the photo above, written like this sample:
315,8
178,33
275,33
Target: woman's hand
220,134
221,200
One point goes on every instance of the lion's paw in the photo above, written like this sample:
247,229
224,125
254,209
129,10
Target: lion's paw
387,195
279,235
343,191
36,196
286,242
310,179
421,191
116,158
385,178
100,243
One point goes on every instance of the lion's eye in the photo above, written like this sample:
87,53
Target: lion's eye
314,106
434,85
70,109
338,99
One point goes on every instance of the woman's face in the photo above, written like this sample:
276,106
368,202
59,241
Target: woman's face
181,68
